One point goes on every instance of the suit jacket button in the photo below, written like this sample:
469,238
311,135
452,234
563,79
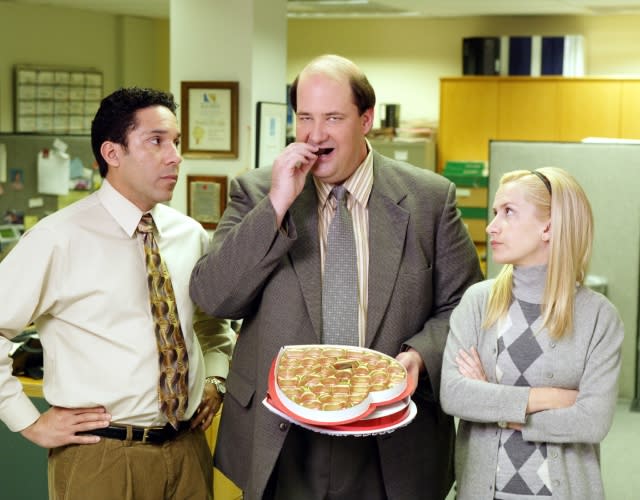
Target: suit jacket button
283,426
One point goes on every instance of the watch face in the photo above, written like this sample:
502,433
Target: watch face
220,386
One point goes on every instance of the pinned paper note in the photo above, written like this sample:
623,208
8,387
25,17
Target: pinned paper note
3,163
54,169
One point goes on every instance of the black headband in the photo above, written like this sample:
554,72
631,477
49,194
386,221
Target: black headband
543,178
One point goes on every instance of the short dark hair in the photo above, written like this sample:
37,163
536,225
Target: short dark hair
116,117
364,97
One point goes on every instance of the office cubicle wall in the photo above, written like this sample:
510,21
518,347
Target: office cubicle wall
610,175
22,155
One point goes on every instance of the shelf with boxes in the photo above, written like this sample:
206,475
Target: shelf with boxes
472,193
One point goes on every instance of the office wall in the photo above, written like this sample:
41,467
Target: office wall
218,40
127,50
404,58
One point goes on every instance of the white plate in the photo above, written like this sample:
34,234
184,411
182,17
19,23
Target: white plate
390,409
413,411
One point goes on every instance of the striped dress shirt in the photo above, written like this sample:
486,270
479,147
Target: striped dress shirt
359,186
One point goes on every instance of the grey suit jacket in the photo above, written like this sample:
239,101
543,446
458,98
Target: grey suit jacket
421,262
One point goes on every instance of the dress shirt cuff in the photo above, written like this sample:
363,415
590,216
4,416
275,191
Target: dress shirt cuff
216,364
19,413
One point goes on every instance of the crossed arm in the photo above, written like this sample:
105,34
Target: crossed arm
540,398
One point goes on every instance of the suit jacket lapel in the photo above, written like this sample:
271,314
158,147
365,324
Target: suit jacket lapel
388,223
305,253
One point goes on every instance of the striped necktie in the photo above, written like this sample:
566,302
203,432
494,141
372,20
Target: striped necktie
340,278
173,385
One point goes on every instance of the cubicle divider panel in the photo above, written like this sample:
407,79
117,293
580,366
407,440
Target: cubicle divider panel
22,160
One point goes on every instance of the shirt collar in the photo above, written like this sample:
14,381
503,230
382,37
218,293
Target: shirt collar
125,213
359,184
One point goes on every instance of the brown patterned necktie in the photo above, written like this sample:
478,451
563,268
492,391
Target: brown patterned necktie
173,385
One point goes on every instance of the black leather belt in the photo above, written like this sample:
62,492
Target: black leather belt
150,435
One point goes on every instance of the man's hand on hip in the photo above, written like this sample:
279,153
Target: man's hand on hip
58,426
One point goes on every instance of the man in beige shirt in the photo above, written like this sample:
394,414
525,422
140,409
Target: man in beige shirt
80,275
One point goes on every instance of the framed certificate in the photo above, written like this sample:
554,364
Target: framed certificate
209,115
271,132
206,199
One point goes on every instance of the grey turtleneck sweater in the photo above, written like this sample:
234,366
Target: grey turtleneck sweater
557,452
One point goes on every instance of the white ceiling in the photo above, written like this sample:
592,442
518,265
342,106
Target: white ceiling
375,8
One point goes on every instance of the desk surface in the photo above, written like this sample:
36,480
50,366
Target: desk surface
32,387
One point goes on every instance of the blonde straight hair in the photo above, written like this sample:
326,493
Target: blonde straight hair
571,240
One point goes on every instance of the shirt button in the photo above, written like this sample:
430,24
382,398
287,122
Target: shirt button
549,375
283,426
554,454
552,345
556,482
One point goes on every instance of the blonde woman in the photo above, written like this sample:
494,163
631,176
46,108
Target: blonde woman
532,359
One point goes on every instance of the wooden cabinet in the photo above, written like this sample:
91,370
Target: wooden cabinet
630,109
468,116
588,109
475,110
526,111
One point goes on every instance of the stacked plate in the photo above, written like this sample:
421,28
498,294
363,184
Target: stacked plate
340,390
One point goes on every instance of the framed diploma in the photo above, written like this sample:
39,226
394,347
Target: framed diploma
209,116
206,199
271,132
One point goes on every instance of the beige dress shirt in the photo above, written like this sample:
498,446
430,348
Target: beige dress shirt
80,275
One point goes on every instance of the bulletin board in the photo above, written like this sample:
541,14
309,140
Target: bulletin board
21,156
59,100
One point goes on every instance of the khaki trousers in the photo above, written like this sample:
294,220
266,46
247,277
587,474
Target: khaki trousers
111,469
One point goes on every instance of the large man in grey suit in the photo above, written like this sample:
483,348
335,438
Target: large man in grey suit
415,260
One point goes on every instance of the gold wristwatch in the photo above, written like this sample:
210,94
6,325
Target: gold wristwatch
218,383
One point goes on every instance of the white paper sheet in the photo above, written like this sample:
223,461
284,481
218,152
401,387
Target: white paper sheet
3,163
53,172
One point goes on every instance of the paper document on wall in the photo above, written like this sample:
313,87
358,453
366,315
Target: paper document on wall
53,172
3,163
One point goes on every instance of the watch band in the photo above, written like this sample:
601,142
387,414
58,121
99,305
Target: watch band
218,383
